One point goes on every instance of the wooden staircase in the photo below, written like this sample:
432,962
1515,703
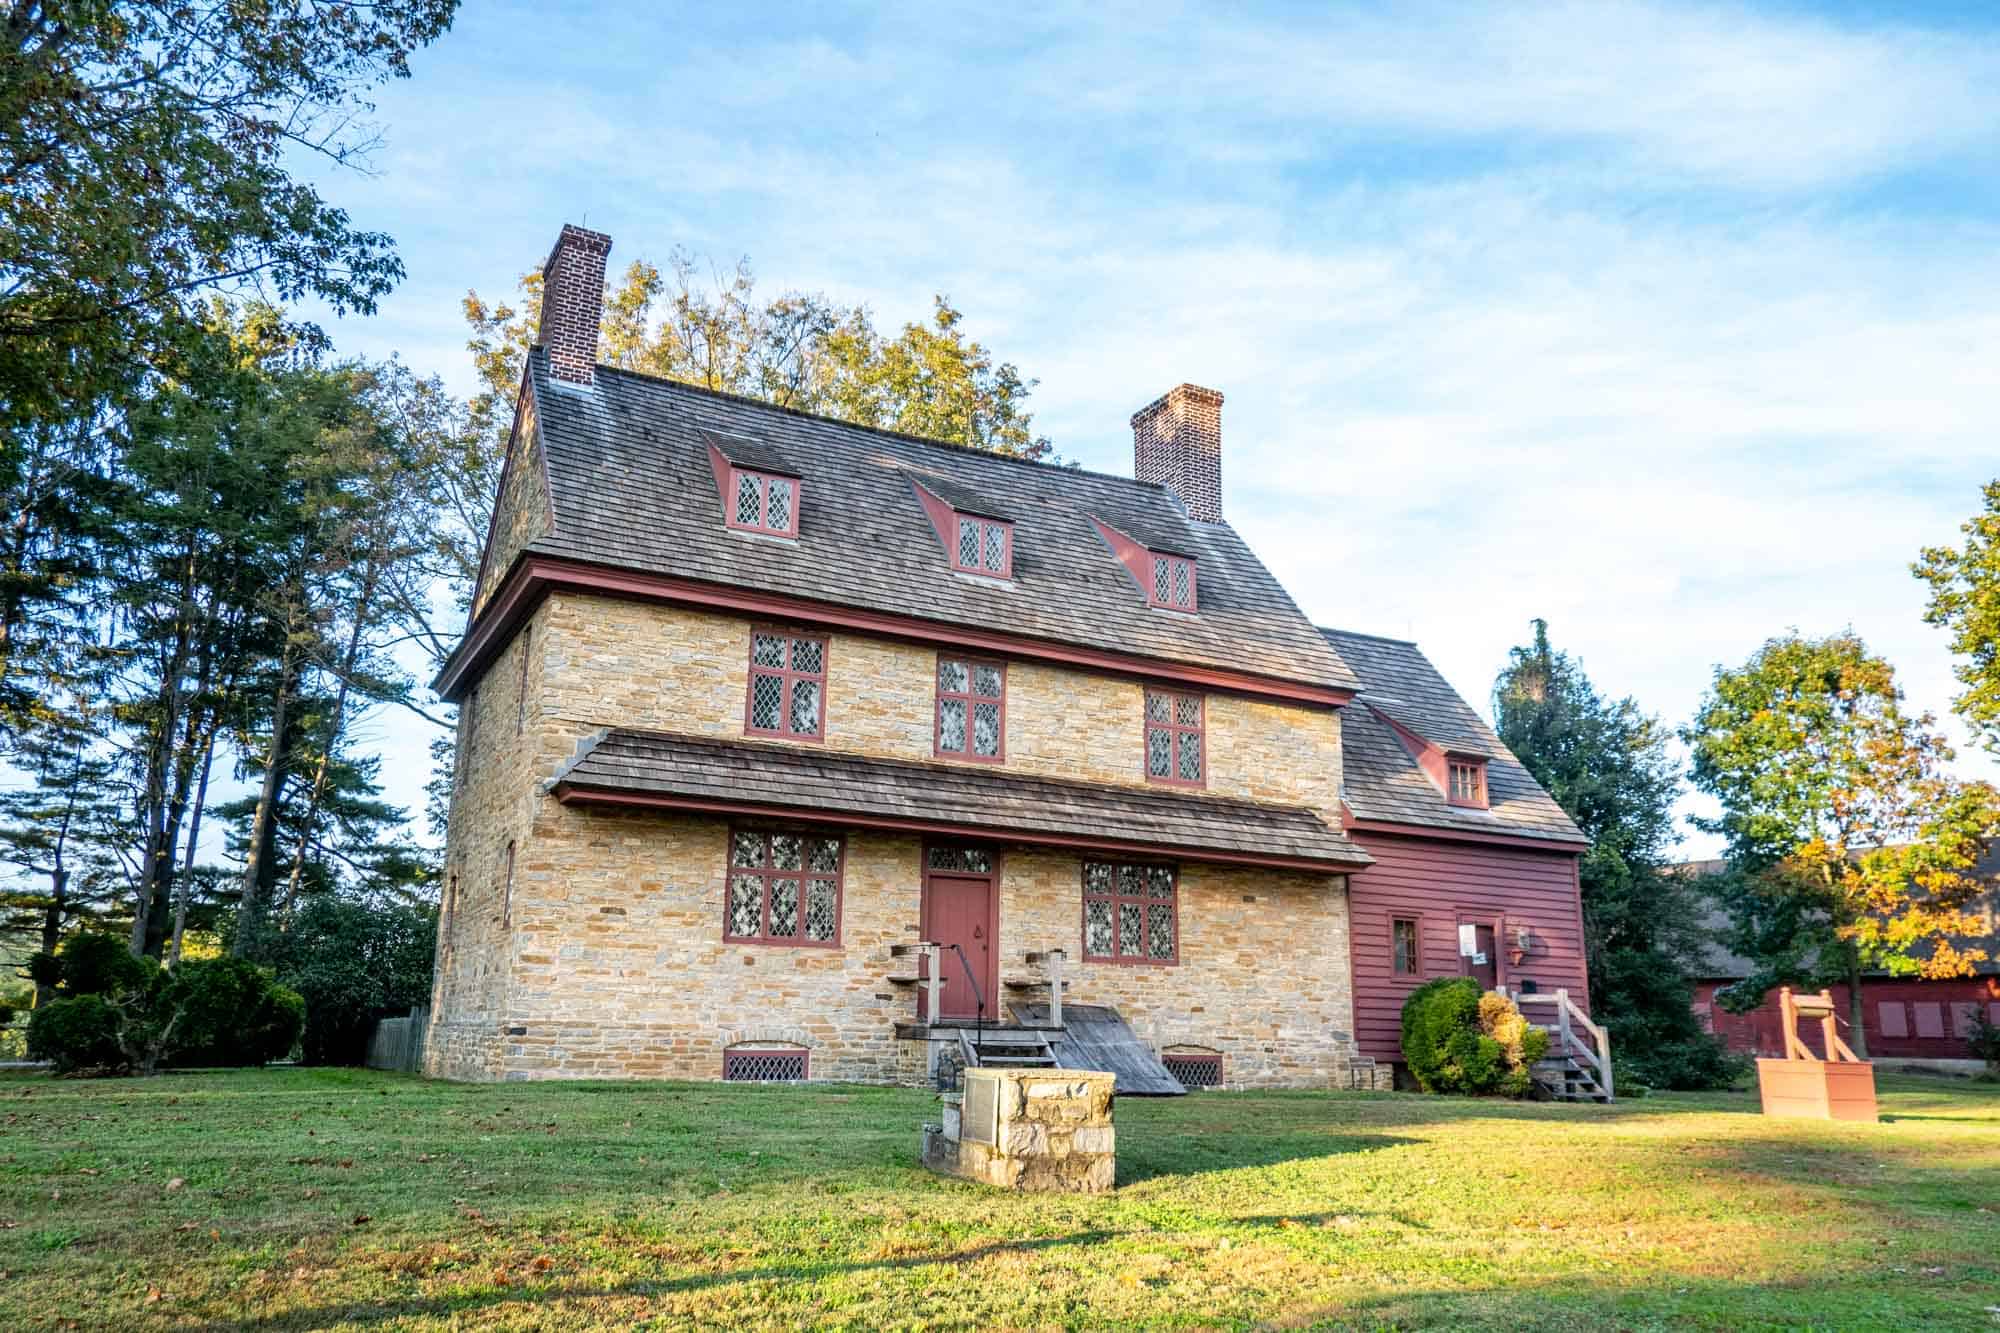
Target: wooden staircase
1006,1048
1578,1065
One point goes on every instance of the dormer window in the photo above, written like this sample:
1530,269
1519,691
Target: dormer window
984,546
1173,583
1466,782
763,502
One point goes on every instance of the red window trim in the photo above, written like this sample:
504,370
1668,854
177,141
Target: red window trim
1177,730
971,664
984,525
1416,973
739,1054
766,873
763,480
1452,768
787,674
1153,572
1115,898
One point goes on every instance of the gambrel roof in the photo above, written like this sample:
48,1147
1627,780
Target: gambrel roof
1381,779
631,486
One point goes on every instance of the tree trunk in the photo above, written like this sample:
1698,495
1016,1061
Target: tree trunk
264,823
332,739
187,865
52,919
159,857
1857,1034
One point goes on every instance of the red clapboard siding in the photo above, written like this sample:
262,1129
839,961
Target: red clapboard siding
1440,882
1902,1016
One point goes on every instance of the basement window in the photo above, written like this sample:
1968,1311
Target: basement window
1129,913
763,502
1467,783
1172,585
983,546
765,1064
1194,1069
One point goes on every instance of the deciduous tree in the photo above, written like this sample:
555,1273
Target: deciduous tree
1847,831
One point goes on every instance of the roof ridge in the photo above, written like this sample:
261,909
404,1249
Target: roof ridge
909,437
1357,634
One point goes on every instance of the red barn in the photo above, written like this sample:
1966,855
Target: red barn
1902,1017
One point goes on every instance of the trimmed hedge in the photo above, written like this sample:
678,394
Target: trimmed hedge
1457,1038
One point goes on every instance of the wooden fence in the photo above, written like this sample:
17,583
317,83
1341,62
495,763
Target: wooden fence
398,1043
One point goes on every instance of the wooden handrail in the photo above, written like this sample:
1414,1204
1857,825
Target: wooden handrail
1568,1017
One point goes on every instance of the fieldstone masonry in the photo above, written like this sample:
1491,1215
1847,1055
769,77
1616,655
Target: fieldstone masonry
1028,1129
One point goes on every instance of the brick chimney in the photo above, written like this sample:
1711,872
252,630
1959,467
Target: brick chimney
573,303
1177,442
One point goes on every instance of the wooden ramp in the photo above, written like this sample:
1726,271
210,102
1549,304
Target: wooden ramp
1095,1037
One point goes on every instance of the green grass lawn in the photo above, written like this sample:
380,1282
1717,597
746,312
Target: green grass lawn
336,1199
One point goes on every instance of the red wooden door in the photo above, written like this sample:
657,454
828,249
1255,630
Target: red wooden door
1482,964
959,910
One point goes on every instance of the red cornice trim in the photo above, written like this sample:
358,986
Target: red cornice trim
571,794
534,575
1519,841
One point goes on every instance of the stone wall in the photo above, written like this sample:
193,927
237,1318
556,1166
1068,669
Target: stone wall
1051,1130
623,663
605,958
620,969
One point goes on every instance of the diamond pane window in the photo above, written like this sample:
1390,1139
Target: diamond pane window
1194,1069
1173,583
764,503
1174,750
784,888
756,1065
1130,913
971,709
984,546
968,860
787,686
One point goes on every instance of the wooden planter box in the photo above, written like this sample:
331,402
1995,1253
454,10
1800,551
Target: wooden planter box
1817,1089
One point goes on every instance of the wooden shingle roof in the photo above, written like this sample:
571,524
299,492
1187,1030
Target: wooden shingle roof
1382,782
650,768
631,486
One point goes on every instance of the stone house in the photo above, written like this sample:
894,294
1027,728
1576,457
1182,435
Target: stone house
750,698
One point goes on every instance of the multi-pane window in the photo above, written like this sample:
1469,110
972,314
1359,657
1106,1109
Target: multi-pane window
1128,913
1194,1069
1405,947
1468,783
964,860
971,708
787,686
784,888
983,546
1174,737
759,1064
1173,582
760,502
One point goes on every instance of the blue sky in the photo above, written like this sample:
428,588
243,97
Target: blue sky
1675,325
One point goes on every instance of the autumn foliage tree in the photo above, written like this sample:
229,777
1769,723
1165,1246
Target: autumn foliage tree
1843,827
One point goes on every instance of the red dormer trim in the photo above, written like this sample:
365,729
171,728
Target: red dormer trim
1156,572
1443,767
988,541
757,499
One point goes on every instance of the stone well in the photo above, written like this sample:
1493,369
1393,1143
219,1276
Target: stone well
1028,1129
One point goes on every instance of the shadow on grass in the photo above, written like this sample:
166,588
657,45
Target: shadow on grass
1148,1156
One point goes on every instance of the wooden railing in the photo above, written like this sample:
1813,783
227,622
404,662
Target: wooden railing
1568,1026
930,978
